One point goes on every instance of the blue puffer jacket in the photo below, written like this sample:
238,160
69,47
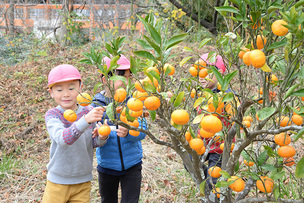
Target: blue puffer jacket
119,153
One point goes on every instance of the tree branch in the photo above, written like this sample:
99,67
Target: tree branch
264,199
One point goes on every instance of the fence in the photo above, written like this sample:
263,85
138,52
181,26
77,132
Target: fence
45,17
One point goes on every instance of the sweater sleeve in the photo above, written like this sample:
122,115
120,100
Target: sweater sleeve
59,133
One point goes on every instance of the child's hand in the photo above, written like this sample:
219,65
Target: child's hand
94,115
122,131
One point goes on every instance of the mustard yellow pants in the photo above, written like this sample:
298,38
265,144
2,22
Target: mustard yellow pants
58,193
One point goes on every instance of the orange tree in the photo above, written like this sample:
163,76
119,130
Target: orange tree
265,78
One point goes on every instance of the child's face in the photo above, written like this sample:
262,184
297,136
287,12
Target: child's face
119,83
65,94
207,83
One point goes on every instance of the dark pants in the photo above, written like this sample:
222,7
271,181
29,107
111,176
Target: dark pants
213,159
130,186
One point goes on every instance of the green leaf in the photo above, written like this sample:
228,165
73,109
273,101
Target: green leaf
204,42
290,91
266,112
198,118
299,93
227,9
299,134
202,188
262,158
188,49
218,76
185,60
269,150
110,111
223,183
155,46
145,54
269,167
152,31
144,44
152,114
198,102
300,169
276,45
273,8
176,39
276,193
228,97
275,175
227,79
225,174
118,77
179,99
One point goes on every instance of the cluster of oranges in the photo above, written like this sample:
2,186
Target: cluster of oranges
285,151
199,68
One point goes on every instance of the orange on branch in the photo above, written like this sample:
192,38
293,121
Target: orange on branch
180,117
188,136
70,115
134,123
211,124
140,95
286,151
205,134
242,52
250,163
214,171
265,185
289,161
248,118
260,41
120,95
257,58
203,73
152,103
154,82
284,121
135,104
172,69
238,185
297,119
84,99
278,27
193,93
282,139
135,113
217,192
104,130
196,143
247,58
200,64
134,133
139,85
247,123
201,150
193,71
152,68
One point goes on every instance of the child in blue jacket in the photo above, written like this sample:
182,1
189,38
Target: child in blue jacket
120,159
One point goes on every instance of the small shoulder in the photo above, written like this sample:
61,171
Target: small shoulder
53,113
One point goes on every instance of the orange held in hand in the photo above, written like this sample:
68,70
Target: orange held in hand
70,115
104,130
120,95
84,99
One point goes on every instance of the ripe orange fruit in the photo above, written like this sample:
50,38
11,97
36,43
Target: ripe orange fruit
214,171
217,138
123,118
282,139
265,185
104,130
152,103
211,124
273,79
302,98
70,115
180,117
193,71
278,28
232,147
297,119
135,113
152,68
167,65
257,58
200,64
193,92
196,143
188,136
256,24
238,185
286,151
261,90
140,95
219,108
134,133
154,82
289,161
201,150
138,86
242,52
84,99
247,58
284,121
250,163
203,73
247,118
134,123
135,104
120,95
217,192
247,123
222,146
261,41
205,134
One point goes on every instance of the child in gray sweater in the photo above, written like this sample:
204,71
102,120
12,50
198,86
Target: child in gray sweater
71,153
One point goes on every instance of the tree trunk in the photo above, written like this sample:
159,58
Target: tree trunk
11,17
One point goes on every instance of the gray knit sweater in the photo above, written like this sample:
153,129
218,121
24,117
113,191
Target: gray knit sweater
72,148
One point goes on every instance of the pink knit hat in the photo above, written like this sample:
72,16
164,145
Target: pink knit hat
219,62
122,61
63,73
